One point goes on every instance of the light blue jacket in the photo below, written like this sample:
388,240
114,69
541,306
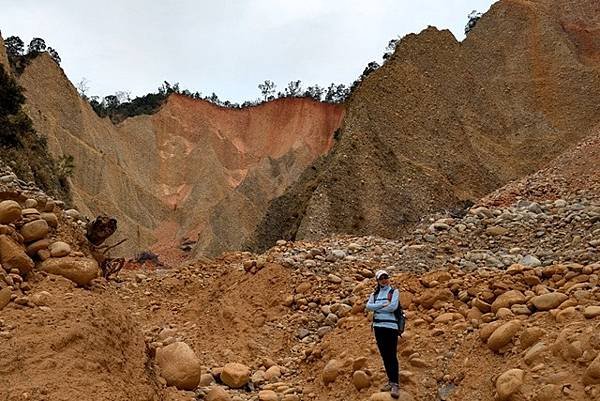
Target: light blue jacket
381,312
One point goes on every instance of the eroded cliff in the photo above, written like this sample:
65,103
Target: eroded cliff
171,175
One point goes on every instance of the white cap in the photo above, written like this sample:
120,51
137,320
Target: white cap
380,273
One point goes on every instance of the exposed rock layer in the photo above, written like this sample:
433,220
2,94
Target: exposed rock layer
172,175
443,122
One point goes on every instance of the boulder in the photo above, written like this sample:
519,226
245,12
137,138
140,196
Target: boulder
5,294
77,269
179,365
361,380
404,396
217,394
59,249
508,299
508,383
268,395
36,246
503,335
51,219
235,375
206,379
549,301
34,230
530,336
10,211
549,392
592,373
331,371
273,373
13,256
591,311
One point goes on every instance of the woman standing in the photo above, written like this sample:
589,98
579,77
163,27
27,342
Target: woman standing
383,302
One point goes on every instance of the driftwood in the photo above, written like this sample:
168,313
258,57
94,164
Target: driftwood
100,229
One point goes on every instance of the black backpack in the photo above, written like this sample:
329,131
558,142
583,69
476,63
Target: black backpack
398,313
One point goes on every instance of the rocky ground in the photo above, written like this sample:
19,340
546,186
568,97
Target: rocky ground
502,302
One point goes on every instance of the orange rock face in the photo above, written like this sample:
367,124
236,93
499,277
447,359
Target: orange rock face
172,175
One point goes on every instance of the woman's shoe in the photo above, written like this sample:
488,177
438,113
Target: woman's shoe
395,391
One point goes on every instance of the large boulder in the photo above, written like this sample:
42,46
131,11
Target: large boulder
179,365
13,256
235,375
35,230
10,211
79,270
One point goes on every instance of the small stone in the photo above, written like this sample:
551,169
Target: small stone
59,249
5,295
217,393
268,395
591,311
273,373
361,380
331,371
332,278
509,383
592,373
530,261
235,375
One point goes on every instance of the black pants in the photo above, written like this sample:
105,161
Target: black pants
387,342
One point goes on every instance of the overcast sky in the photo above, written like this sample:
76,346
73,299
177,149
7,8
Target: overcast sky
226,46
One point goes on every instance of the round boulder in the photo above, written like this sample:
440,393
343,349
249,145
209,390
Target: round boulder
34,230
361,380
179,365
79,270
10,211
331,371
217,394
549,301
235,375
503,335
509,383
59,249
13,256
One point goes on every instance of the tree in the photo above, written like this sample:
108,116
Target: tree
14,46
315,92
54,54
37,45
11,96
293,89
83,87
110,102
267,89
391,48
474,17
